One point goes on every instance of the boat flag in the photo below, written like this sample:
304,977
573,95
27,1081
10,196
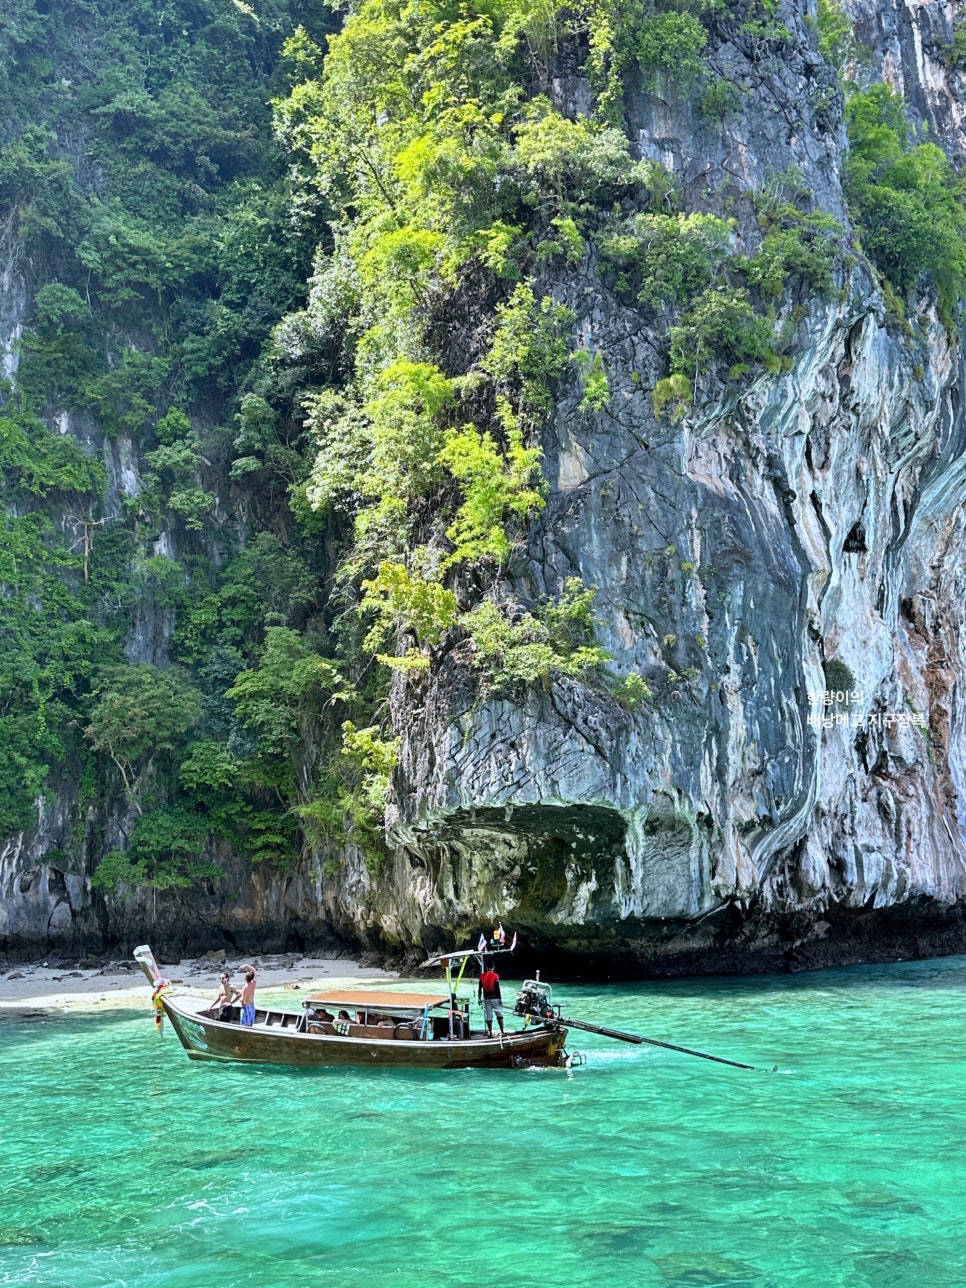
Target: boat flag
500,935
481,946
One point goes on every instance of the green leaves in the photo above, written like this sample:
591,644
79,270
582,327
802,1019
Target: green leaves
174,467
686,266
208,768
672,43
908,201
407,604
802,247
495,486
166,853
355,788
671,397
50,642
274,697
406,256
836,40
277,700
721,325
351,800
380,454
529,349
554,637
593,379
174,247
140,711
374,758
40,463
573,164
669,259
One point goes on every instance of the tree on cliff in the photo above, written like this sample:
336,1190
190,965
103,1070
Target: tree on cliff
140,711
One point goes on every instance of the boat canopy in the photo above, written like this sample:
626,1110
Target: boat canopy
368,1000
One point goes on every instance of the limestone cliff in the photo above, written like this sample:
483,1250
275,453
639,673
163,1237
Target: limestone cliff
796,541
782,565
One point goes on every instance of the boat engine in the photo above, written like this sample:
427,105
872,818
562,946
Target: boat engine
534,999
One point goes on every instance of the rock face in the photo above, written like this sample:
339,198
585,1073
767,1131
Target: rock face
784,566
781,546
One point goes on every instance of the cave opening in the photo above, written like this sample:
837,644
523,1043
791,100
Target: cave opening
548,869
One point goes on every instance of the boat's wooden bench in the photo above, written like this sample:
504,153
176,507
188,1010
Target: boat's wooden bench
278,1020
381,1032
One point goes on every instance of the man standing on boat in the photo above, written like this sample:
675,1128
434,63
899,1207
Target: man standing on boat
247,997
489,994
227,995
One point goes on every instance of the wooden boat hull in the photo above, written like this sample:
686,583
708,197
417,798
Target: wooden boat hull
205,1038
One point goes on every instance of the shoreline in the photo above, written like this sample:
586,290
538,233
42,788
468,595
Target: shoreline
123,984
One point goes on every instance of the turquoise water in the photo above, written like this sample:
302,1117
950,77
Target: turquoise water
123,1163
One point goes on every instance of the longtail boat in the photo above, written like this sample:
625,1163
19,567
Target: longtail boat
430,1029
365,1028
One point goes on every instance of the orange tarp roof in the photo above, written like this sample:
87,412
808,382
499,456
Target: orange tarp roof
365,999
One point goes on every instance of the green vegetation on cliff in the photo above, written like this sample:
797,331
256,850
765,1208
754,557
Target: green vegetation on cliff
305,293
149,209
907,200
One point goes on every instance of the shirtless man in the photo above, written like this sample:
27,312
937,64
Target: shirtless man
247,997
226,997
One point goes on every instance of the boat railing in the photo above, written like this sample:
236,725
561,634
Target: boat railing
397,1028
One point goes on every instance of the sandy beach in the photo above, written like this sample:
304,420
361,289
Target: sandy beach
120,983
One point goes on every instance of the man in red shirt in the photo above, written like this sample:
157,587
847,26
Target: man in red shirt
491,997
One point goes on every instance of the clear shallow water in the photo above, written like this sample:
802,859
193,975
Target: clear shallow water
123,1163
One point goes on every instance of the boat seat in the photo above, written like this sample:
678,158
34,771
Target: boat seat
382,1032
369,1031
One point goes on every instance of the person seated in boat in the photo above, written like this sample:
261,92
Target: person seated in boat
342,1022
459,1022
315,1021
227,995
